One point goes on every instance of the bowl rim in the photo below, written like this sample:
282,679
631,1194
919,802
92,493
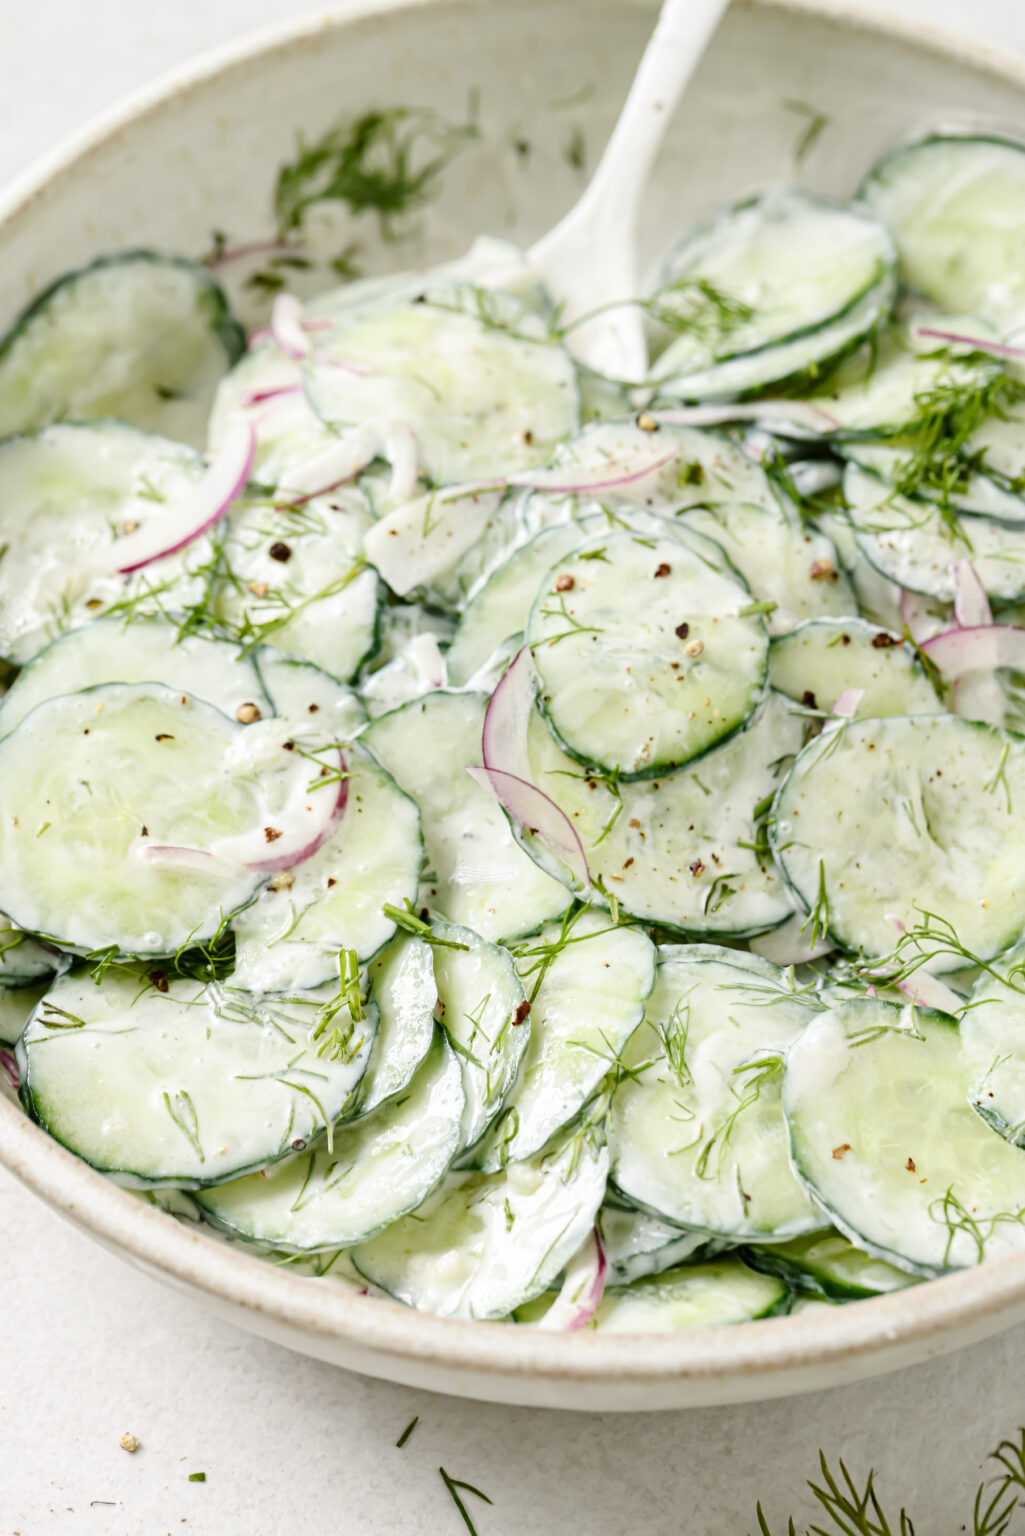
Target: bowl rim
852,1341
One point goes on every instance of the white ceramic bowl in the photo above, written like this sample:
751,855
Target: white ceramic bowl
199,151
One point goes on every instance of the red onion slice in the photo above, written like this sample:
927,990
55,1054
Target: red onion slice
578,479
242,252
507,718
845,708
538,815
250,397
983,647
194,514
971,602
286,327
960,339
9,1068
582,1289
798,413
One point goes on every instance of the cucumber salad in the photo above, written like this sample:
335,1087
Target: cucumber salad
535,847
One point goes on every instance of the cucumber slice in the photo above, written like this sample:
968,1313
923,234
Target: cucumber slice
289,433
697,1296
956,206
181,1083
149,650
334,900
816,662
878,392
882,1133
977,494
16,1006
475,874
827,1265
374,1173
915,544
86,782
481,400
22,959
878,598
631,652
406,993
589,981
636,1244
483,1009
66,494
418,669
797,364
682,851
993,1046
696,1133
484,1244
794,567
300,691
294,578
787,264
881,823
140,336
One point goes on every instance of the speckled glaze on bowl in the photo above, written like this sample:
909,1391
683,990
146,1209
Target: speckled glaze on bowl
199,151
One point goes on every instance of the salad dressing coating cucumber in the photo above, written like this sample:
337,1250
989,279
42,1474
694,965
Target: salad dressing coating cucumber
16,1007
140,336
588,981
697,1296
816,662
171,1081
89,782
636,1244
992,1030
404,988
146,650
684,851
373,1173
883,1135
301,692
67,493
474,872
888,827
334,900
646,658
484,1244
696,1132
827,1265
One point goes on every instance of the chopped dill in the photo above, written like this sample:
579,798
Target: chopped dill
400,1442
575,151
815,122
453,1484
406,919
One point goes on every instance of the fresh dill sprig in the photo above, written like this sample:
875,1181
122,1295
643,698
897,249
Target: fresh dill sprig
453,1484
815,122
948,416
400,1442
387,161
766,1070
406,919
933,938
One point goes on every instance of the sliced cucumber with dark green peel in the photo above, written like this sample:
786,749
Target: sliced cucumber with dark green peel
696,1132
295,577
827,1265
684,851
786,264
483,1010
16,1006
291,936
976,494
88,782
475,873
481,400
647,659
883,1135
636,1244
140,336
484,1244
181,1083
916,544
955,203
881,391
302,692
67,493
374,1172
696,1296
816,662
403,987
23,959
878,598
794,567
993,1045
147,650
882,823
591,981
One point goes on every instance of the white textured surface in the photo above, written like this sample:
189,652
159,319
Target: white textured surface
91,1349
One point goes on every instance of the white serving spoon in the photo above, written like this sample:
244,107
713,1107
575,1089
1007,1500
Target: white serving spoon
590,258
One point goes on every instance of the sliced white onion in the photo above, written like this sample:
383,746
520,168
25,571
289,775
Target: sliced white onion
983,647
971,602
425,537
286,326
507,718
582,1289
194,514
540,816
798,413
